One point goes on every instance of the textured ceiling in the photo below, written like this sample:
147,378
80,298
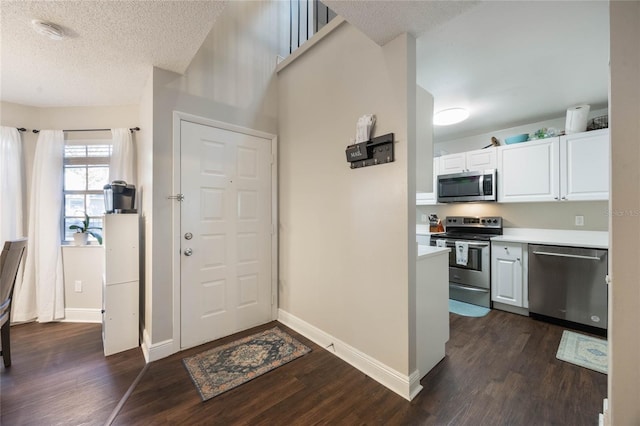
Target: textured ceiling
110,51
382,21
509,62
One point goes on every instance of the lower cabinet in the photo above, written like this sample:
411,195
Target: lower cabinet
509,275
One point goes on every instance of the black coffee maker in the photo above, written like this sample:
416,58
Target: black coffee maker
119,197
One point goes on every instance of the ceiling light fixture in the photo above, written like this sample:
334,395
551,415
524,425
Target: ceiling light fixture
450,116
49,29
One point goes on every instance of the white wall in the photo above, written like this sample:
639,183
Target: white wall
552,215
232,80
624,291
84,264
344,246
424,140
144,194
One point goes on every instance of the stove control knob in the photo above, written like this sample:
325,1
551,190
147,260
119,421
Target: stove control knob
482,221
495,220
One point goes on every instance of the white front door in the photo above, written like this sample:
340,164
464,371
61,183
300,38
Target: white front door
225,232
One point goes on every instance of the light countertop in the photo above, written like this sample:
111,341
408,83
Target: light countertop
430,251
559,237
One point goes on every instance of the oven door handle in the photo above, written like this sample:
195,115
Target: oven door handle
471,244
464,287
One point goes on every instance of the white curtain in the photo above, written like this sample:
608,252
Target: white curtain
122,156
40,295
11,175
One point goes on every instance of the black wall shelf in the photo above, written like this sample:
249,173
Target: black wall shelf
376,151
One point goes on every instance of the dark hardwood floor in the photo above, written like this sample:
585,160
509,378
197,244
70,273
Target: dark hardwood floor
499,370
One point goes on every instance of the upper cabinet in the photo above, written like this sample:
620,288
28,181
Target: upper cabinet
480,159
584,158
572,167
529,171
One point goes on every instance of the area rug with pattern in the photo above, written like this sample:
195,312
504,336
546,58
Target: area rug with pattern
585,351
223,368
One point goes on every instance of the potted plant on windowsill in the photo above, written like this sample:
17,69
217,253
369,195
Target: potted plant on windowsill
83,231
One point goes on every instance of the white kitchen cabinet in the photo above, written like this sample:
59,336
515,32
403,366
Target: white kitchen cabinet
480,159
509,283
529,171
584,160
121,288
567,168
453,163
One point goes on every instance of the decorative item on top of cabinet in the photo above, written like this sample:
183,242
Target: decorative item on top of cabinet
479,159
509,284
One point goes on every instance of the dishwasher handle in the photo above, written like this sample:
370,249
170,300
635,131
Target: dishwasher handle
573,256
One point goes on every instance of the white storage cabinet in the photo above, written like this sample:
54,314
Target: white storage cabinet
509,284
584,161
529,171
568,168
479,159
121,285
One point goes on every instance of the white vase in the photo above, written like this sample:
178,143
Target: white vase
80,238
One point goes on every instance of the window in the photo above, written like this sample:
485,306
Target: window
86,171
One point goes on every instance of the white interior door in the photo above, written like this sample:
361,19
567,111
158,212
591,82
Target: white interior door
225,225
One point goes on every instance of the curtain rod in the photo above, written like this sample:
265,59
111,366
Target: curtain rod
133,129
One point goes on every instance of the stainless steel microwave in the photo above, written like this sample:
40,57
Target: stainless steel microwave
467,186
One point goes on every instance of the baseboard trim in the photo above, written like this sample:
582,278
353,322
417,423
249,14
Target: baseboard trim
82,315
414,384
405,386
155,351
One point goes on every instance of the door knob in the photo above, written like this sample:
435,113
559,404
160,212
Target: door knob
188,252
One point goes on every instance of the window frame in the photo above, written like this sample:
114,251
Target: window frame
87,162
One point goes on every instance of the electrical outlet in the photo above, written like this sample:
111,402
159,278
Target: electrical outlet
423,218
579,220
78,286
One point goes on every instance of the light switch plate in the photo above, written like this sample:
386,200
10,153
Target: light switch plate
78,286
423,218
579,220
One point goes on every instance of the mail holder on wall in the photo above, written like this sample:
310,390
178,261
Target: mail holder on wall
378,150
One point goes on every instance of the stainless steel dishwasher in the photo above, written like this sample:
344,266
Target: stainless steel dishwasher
568,283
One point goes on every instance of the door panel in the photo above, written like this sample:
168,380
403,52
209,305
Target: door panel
226,281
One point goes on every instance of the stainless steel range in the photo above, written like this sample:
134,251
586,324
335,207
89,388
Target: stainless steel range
470,257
